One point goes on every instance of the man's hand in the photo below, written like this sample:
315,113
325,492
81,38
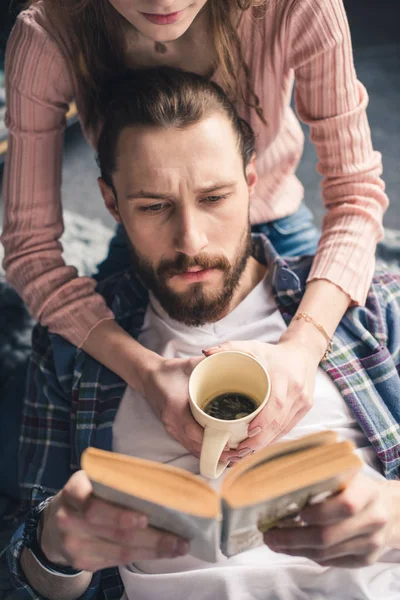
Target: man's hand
166,387
292,369
352,529
89,534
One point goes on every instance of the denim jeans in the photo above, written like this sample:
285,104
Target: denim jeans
294,235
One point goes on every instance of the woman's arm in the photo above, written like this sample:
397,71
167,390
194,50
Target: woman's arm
121,353
333,103
326,303
65,303
39,87
55,295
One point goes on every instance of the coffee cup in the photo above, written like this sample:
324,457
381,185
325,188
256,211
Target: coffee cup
226,377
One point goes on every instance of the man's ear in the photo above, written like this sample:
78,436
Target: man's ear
109,199
251,174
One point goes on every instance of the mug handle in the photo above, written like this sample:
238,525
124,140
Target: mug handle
214,442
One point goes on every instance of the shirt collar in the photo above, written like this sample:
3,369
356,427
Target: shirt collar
287,276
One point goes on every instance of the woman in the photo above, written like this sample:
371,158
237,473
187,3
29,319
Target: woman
254,49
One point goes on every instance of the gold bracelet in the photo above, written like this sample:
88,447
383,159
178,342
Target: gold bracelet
321,329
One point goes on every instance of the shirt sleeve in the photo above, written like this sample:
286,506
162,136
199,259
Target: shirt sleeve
331,100
45,441
39,87
19,581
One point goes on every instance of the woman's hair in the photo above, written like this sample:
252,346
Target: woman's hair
163,97
96,31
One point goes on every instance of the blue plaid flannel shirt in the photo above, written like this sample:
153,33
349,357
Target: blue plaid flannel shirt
72,399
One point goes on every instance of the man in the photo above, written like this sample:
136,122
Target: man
178,172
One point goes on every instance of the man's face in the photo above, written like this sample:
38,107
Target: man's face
183,199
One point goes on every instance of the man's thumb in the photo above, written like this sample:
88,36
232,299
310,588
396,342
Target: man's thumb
77,491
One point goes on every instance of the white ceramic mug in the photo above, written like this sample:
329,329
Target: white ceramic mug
222,373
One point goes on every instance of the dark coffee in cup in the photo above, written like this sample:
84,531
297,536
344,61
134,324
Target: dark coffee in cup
230,406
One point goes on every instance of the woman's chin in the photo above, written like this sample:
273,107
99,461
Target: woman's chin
163,35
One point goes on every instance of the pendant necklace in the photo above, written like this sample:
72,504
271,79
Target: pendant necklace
160,47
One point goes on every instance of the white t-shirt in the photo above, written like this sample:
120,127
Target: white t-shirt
258,574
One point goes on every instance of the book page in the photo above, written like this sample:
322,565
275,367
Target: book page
277,451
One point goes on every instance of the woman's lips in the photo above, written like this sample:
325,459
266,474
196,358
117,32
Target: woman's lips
163,19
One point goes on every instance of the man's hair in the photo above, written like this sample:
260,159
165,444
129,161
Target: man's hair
164,97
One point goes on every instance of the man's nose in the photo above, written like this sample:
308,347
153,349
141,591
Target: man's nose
190,234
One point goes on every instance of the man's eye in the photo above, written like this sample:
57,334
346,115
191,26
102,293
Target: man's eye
153,208
216,199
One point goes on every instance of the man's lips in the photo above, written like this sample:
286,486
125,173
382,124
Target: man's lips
163,19
194,274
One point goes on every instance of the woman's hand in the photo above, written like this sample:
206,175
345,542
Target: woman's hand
292,368
166,387
352,529
90,534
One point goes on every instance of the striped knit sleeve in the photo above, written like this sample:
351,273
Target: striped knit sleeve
39,87
331,100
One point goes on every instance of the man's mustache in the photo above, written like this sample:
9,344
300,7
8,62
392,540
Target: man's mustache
182,263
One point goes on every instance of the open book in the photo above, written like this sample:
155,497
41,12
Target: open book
255,495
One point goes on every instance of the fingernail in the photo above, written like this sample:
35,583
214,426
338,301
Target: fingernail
243,452
254,432
211,349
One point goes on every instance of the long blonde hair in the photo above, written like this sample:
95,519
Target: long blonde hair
95,29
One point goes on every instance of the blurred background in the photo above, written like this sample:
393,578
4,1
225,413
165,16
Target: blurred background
375,28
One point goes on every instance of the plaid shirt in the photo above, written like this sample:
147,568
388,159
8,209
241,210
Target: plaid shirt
73,399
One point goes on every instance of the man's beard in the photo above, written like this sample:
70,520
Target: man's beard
195,307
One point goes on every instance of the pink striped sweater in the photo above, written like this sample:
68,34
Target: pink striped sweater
303,40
